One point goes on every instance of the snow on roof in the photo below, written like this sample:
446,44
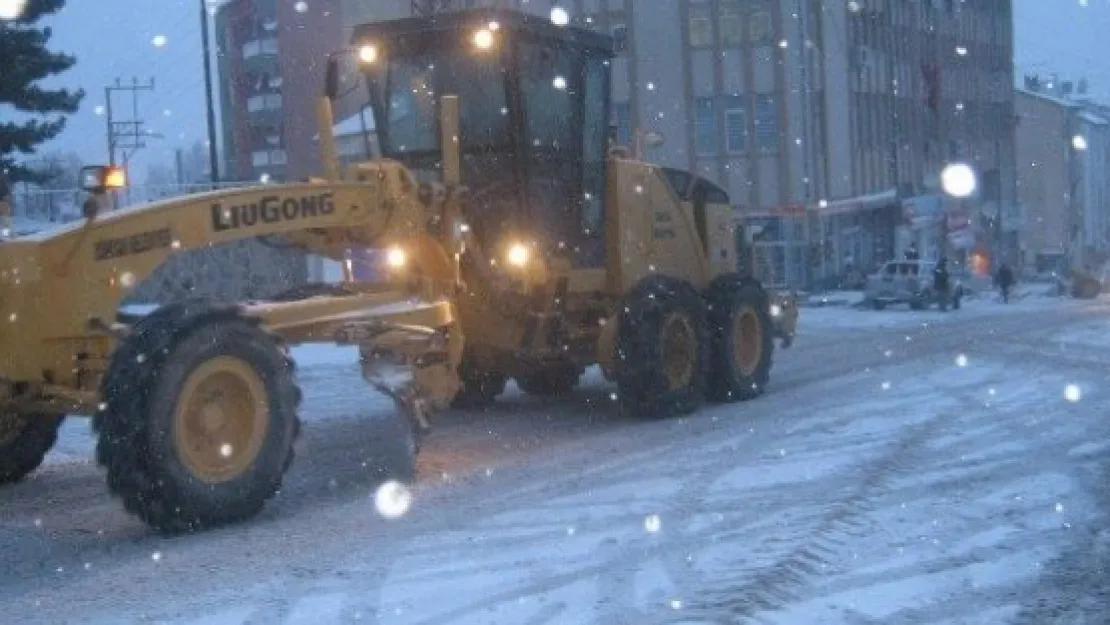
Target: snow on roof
1091,118
1047,98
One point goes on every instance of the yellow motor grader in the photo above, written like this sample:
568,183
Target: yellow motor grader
558,253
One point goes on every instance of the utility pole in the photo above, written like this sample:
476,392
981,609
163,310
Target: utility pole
213,155
127,136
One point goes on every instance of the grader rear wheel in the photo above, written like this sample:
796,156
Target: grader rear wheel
662,350
198,420
24,442
742,338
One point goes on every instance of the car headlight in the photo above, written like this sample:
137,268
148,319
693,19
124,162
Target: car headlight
517,255
396,258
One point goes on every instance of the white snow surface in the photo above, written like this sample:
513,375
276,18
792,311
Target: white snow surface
896,486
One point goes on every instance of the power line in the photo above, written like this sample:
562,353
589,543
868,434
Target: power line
126,136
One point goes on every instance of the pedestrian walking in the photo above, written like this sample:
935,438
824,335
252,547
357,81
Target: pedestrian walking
941,285
5,204
1005,280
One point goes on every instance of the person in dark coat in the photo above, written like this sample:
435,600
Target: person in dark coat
941,284
5,204
1005,280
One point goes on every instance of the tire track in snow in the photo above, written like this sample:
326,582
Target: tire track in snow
782,583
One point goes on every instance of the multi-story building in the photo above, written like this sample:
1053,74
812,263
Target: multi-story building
828,119
272,55
1063,146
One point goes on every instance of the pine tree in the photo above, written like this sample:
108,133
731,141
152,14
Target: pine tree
26,61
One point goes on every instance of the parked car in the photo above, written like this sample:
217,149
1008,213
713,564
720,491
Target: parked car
907,282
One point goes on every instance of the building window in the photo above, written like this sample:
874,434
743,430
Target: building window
731,25
620,38
701,27
762,28
264,102
261,158
766,123
705,125
736,124
622,114
259,47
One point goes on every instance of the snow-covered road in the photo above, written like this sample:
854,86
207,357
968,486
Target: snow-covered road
910,468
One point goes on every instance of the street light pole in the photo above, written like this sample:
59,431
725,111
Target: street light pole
213,155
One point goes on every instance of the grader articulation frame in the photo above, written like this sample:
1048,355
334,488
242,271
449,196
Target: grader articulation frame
559,254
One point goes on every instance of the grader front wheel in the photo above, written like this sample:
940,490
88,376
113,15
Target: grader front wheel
198,420
24,443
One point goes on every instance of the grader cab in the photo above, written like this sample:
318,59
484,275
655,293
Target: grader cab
521,247
578,255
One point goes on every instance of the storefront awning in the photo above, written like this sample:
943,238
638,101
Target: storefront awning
858,204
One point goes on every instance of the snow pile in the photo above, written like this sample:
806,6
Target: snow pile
24,226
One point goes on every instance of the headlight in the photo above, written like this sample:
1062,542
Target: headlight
396,258
368,54
776,310
483,39
517,255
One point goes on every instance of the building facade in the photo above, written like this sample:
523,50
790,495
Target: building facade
272,55
1063,146
830,119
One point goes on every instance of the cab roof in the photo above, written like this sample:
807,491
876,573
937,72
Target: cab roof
528,24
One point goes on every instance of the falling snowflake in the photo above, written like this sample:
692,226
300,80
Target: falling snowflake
961,360
652,523
156,556
1072,393
11,9
392,499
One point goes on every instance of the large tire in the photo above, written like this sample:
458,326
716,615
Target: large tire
549,381
169,386
24,443
479,388
662,349
742,339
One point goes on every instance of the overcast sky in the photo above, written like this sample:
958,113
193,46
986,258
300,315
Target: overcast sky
114,38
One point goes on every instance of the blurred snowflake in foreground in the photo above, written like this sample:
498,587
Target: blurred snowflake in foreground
392,499
1072,393
652,523
11,9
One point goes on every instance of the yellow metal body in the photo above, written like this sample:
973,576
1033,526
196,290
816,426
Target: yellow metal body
649,231
60,292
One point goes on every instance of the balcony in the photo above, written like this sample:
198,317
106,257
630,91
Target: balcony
264,102
264,158
260,47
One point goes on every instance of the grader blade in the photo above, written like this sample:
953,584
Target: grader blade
408,349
